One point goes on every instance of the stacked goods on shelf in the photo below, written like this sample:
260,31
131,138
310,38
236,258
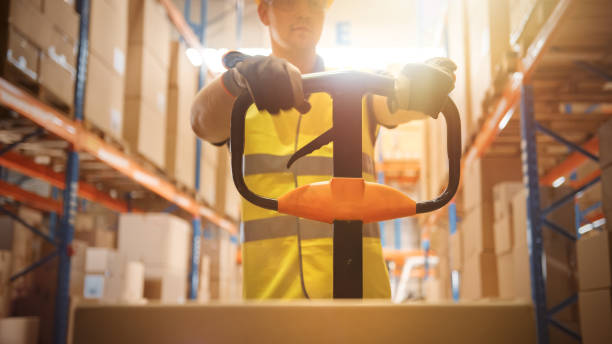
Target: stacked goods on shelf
503,235
217,186
479,266
588,201
148,57
106,66
112,277
42,56
595,259
488,44
434,166
204,279
209,162
224,274
19,330
162,243
439,240
97,226
595,281
180,139
559,255
605,161
457,23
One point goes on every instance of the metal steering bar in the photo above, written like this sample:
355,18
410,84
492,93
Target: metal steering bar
371,194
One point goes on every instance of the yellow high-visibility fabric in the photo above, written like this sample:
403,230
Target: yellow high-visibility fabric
270,266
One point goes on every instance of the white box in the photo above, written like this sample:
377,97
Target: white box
157,240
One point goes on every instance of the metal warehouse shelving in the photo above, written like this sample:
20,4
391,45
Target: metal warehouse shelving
562,86
85,165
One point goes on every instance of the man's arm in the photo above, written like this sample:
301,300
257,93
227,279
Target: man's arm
211,112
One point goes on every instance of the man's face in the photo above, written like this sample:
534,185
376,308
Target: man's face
294,24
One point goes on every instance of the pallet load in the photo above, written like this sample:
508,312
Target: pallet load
106,66
595,259
180,139
479,266
41,57
161,242
148,58
439,242
5,269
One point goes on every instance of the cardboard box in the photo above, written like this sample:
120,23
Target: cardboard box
62,51
505,275
503,234
233,200
146,78
108,33
521,273
64,17
502,197
208,172
57,80
133,288
605,145
165,285
182,74
21,54
157,240
21,17
180,139
144,129
489,32
456,250
319,322
19,330
149,27
479,278
596,316
483,174
477,229
104,261
595,260
97,238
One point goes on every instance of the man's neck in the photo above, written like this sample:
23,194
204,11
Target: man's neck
304,60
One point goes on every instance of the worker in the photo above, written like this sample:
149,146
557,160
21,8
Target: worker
284,256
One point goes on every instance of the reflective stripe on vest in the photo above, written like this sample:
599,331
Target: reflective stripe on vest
305,166
284,226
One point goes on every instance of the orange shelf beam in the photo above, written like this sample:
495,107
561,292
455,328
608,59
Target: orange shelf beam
29,198
28,167
570,164
56,123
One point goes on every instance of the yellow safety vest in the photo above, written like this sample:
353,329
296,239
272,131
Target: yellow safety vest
270,248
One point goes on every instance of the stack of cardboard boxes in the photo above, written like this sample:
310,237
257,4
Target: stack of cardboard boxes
223,278
148,58
162,243
111,277
595,259
439,241
180,139
106,66
489,30
479,265
503,229
43,54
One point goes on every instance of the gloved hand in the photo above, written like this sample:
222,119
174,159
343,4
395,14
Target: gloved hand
274,83
424,87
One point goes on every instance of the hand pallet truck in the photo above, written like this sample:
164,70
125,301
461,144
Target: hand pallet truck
347,200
